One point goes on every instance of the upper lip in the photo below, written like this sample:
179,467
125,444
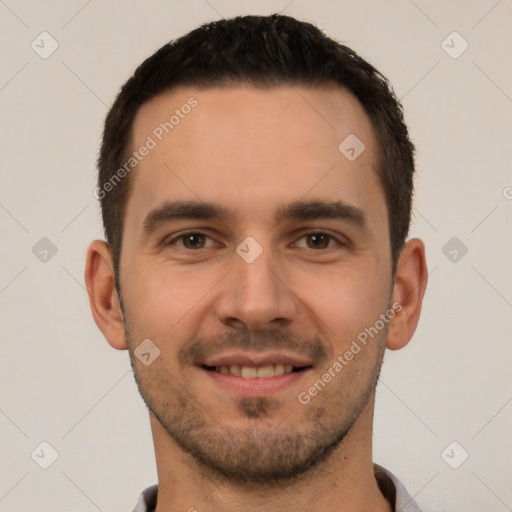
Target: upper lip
257,359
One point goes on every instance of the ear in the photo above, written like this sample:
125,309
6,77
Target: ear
409,288
103,298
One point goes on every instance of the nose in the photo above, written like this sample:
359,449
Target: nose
256,295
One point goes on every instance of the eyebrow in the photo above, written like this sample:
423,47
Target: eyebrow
297,210
317,209
174,210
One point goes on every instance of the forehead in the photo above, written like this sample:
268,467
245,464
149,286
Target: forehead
248,147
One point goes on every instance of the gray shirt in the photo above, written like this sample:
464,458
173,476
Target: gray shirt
389,485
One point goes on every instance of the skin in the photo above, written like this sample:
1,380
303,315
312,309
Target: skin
253,151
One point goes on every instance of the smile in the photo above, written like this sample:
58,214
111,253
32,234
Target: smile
253,372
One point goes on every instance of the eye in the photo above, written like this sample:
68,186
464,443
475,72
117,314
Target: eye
316,241
193,241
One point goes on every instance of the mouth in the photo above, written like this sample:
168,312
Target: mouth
256,374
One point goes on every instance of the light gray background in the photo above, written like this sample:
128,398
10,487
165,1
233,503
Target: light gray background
63,384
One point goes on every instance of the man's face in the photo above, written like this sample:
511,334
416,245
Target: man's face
252,244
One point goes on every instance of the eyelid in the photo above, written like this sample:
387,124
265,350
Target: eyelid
168,241
340,240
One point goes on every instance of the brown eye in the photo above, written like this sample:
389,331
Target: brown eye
194,241
318,241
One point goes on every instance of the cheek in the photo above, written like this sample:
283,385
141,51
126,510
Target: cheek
159,298
346,301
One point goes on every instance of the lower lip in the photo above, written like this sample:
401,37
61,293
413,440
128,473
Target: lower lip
256,387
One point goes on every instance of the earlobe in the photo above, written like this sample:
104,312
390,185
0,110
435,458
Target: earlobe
408,291
103,297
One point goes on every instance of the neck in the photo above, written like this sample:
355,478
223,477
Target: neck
344,482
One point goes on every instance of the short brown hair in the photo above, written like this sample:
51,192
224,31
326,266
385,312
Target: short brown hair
261,51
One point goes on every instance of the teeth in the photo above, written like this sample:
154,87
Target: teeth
265,371
251,372
234,370
248,372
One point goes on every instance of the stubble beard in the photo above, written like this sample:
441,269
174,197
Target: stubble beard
257,454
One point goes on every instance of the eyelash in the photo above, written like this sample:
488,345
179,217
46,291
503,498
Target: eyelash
309,233
184,235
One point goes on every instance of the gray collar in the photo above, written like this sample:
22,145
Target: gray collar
389,485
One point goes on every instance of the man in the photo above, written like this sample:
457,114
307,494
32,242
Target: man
255,180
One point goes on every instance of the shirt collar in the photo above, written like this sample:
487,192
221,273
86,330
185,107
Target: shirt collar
390,486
